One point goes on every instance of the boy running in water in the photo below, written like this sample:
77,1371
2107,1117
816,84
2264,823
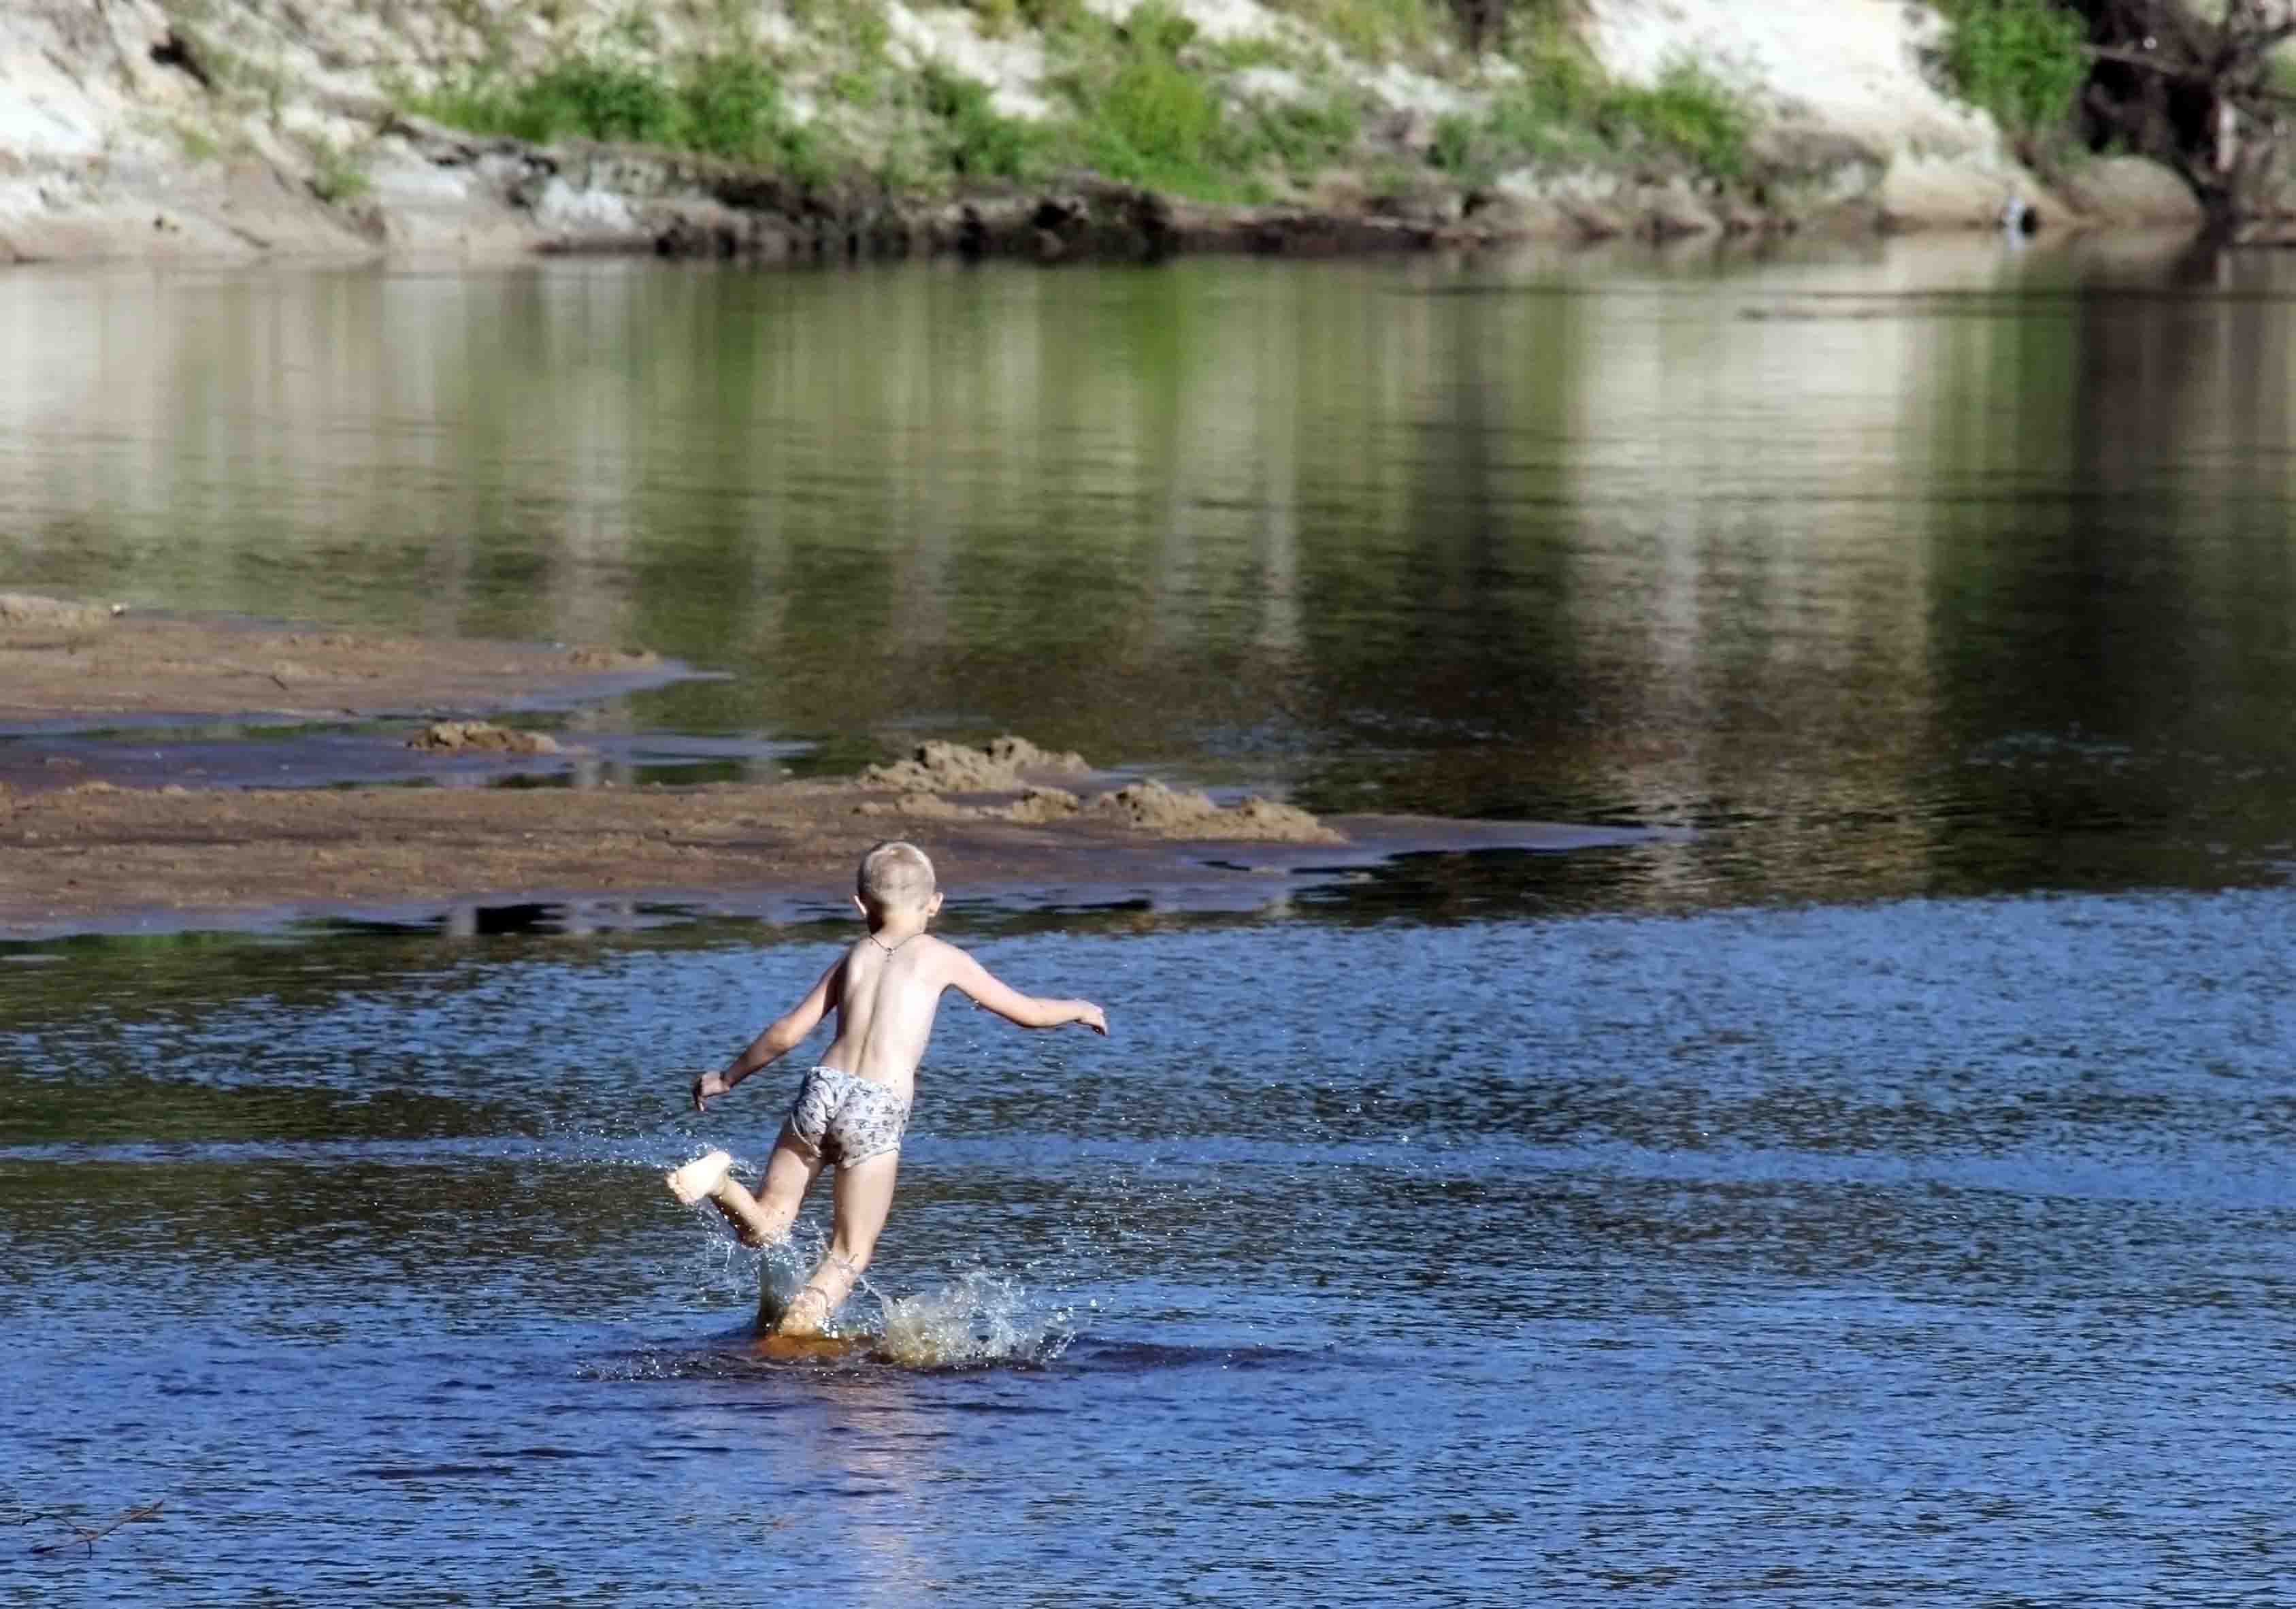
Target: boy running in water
851,1110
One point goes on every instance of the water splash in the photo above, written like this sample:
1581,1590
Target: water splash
983,1318
781,1269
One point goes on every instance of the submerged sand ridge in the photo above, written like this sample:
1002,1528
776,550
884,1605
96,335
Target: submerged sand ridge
60,658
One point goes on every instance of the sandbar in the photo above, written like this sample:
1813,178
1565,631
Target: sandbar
90,842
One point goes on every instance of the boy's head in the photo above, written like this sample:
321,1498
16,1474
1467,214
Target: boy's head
896,877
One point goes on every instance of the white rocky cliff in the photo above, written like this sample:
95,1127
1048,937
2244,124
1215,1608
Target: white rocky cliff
228,129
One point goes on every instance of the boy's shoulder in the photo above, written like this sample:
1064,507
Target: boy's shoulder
948,960
929,944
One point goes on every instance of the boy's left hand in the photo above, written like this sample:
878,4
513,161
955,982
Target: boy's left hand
707,1088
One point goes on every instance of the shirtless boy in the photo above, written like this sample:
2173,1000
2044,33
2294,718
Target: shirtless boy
851,1109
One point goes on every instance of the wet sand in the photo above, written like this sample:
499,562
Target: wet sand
67,665
93,840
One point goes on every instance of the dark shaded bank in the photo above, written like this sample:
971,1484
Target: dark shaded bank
587,198
1086,220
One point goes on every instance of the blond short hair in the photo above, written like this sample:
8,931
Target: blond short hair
895,875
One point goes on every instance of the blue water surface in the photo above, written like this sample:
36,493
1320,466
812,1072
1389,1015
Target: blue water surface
1928,1249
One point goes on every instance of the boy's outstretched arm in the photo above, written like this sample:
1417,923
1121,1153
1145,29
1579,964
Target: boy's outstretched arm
1009,1003
782,1035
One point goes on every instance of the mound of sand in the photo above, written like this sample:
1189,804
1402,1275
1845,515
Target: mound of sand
475,737
946,767
1150,806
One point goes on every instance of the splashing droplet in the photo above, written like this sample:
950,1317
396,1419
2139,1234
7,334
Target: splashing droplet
981,1318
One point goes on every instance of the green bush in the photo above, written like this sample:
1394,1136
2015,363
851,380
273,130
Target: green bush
1302,135
731,106
1147,111
1563,110
1157,31
998,17
2024,61
1154,124
970,138
726,104
1688,114
1457,145
1524,125
1144,117
601,100
1559,82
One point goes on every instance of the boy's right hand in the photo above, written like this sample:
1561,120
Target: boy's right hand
1093,1017
707,1087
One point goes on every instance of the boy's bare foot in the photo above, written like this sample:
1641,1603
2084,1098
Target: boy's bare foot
711,1177
699,1179
806,1317
786,1349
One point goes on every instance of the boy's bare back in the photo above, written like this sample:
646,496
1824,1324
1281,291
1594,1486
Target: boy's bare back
887,995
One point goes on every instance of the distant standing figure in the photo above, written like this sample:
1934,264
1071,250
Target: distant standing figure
852,1108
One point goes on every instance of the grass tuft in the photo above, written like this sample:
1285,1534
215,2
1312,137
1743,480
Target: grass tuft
1689,114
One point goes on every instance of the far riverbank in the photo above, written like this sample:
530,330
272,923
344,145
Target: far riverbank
1057,132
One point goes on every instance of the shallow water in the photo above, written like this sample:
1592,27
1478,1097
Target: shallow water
1927,1249
1878,1194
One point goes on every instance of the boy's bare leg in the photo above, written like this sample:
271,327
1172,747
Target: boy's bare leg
862,1196
790,1172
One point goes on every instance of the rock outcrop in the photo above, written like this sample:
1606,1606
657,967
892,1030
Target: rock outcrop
1855,122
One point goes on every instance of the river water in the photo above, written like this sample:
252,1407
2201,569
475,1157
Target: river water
1873,1187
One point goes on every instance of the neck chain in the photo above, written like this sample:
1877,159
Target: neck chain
890,949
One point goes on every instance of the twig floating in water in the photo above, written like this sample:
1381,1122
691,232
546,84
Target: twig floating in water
88,1537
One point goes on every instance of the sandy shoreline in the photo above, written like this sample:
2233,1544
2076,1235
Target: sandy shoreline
93,840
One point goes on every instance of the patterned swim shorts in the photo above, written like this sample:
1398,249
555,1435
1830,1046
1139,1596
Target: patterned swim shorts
847,1117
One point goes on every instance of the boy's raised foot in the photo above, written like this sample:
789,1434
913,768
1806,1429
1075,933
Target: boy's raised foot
699,1179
